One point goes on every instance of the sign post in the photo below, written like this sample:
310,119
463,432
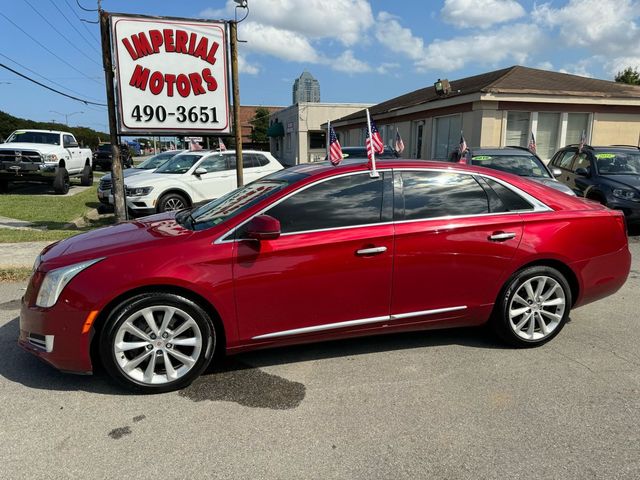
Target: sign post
236,102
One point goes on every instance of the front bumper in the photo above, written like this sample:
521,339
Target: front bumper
55,336
21,171
630,209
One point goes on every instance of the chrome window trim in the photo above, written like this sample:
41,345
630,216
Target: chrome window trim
538,206
353,323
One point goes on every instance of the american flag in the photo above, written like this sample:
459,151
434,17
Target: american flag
374,142
221,146
193,145
462,148
583,140
532,143
399,146
335,150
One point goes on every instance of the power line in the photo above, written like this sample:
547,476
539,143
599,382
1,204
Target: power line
82,22
52,53
48,79
60,33
74,27
86,9
86,102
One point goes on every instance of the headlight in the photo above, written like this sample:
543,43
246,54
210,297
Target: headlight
625,194
138,191
50,157
55,281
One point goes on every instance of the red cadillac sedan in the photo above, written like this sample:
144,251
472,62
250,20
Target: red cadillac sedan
317,252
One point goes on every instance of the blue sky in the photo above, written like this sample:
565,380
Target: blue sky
359,50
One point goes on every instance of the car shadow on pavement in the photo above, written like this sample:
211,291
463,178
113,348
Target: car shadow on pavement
21,367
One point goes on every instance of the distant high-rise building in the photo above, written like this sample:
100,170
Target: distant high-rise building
306,89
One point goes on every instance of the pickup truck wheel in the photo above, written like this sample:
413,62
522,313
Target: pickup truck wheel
86,180
61,182
172,202
4,186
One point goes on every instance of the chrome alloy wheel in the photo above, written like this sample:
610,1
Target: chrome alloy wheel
537,308
157,345
173,204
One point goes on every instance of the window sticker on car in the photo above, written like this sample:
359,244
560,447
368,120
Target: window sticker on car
481,157
605,155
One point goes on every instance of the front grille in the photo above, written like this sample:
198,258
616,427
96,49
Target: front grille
105,185
20,156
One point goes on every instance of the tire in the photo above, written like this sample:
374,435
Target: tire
143,368
86,179
172,202
4,186
61,181
525,320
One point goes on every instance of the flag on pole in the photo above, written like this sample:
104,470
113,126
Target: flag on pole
462,149
583,140
532,143
335,149
193,145
374,145
399,144
221,146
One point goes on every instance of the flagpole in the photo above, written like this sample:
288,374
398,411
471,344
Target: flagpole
328,138
374,172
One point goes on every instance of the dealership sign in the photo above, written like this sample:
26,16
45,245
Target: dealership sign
171,75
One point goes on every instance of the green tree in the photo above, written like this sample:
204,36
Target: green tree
260,123
628,75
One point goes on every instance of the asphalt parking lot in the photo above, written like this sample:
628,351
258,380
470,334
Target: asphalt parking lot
445,404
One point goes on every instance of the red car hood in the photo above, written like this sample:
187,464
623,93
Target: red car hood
124,237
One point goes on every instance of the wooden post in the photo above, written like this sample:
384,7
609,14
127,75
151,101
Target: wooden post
236,100
116,164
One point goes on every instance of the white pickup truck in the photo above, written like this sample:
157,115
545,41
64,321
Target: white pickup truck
46,156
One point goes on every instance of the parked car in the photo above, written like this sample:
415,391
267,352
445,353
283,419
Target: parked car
191,178
517,160
103,156
150,164
361,152
609,175
44,156
316,252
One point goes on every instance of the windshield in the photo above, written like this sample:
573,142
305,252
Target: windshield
523,165
231,204
156,161
180,163
35,137
105,147
618,163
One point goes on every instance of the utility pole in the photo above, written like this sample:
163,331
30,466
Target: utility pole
236,100
116,164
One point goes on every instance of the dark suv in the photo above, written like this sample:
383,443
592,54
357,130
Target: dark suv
102,156
609,175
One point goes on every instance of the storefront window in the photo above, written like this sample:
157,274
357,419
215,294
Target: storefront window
547,134
447,137
317,140
518,129
576,124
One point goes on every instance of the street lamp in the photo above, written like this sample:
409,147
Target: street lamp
65,115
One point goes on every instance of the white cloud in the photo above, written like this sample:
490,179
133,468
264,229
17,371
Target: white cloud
245,67
349,64
580,67
544,66
284,44
397,38
480,13
388,68
602,26
345,20
511,42
618,64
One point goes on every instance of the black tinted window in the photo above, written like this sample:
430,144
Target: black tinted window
259,160
438,194
511,200
247,161
340,202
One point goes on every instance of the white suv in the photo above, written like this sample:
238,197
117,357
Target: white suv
191,178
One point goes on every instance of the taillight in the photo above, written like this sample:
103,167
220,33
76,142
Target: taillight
622,221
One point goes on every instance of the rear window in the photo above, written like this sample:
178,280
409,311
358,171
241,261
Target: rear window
510,199
522,165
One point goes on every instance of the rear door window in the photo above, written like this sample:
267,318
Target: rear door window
511,200
432,194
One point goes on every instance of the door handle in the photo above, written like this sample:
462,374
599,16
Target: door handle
371,251
501,236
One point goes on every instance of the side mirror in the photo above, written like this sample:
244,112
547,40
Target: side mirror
556,172
263,227
582,172
200,171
